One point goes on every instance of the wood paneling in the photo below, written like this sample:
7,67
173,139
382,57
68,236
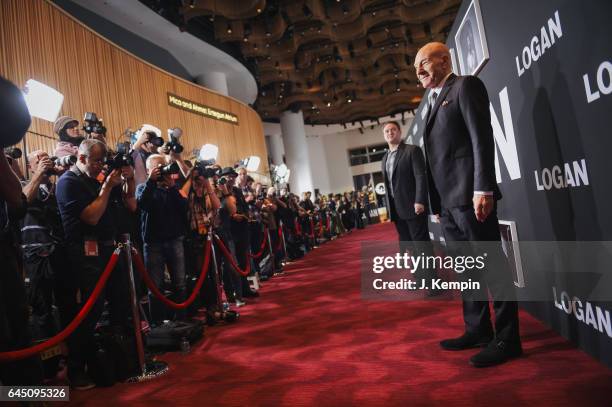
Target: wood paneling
40,41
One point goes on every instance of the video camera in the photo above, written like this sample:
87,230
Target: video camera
91,124
174,135
121,158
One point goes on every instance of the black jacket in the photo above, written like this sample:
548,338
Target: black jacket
409,182
459,144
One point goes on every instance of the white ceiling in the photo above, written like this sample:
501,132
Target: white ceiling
195,55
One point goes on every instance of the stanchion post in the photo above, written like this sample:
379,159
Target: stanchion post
272,254
127,246
156,368
218,276
284,242
229,315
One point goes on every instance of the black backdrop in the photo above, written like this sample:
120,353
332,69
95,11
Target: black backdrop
555,120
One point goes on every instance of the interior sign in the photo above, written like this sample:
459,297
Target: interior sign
202,110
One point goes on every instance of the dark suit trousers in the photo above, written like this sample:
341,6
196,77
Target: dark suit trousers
460,224
414,236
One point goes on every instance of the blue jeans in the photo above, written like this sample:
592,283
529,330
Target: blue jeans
157,256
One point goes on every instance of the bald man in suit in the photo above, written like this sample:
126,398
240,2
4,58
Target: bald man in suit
460,151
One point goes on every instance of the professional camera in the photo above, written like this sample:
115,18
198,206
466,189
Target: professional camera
170,169
153,139
121,158
66,161
201,165
174,135
91,124
13,152
222,181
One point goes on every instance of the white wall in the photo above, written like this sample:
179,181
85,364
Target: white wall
328,152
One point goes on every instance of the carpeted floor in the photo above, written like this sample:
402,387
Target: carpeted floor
310,340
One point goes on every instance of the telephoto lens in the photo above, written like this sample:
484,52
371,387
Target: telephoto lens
65,161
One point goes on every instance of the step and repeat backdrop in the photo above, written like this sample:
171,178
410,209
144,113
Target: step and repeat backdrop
547,66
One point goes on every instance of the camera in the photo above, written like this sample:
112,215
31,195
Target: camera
13,152
66,161
121,158
222,181
153,139
201,165
174,135
170,169
92,124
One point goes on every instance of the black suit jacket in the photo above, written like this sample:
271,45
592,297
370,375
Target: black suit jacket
409,181
459,144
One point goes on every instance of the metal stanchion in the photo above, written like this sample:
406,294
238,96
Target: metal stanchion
148,369
272,253
286,257
226,315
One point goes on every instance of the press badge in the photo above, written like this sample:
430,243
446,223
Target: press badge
91,248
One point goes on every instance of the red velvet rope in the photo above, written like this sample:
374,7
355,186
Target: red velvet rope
229,257
151,284
32,350
263,246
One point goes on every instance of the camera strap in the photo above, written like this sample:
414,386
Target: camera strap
82,177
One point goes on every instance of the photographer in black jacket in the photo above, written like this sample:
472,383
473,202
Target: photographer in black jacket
89,215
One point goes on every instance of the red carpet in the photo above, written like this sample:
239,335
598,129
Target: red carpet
310,341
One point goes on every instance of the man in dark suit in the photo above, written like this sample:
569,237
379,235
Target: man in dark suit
460,150
403,168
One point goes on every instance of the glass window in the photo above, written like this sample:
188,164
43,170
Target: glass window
358,151
377,156
358,160
369,154
377,148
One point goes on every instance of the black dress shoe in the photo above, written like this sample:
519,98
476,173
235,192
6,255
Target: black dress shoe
496,353
250,293
465,341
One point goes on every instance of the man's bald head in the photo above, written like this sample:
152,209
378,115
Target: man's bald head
432,64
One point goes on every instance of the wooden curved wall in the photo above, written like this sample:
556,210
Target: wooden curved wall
40,41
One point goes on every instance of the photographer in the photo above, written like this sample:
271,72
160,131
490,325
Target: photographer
89,216
70,137
232,283
203,204
94,128
149,139
14,330
270,206
240,227
163,219
46,263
